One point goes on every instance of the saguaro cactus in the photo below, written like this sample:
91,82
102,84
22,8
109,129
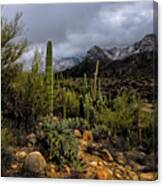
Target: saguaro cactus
36,62
85,83
99,90
95,81
49,76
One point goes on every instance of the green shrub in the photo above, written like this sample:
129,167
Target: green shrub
5,137
63,146
77,123
66,103
28,98
129,118
71,102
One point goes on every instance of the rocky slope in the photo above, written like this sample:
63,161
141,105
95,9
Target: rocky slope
99,161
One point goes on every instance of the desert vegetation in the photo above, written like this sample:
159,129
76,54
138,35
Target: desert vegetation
54,125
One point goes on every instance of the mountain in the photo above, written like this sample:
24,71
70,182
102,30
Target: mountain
66,63
138,59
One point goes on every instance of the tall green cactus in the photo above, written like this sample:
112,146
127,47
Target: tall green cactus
49,77
36,62
87,107
85,83
100,97
95,81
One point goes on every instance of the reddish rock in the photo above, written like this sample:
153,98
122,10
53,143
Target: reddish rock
87,135
150,176
104,174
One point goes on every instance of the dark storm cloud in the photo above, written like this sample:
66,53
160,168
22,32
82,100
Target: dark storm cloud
76,27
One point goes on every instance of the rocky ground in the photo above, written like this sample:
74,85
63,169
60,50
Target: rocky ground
98,162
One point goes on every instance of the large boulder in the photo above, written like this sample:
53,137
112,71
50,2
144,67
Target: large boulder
35,163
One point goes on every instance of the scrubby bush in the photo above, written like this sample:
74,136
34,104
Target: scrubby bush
126,118
76,123
71,102
28,101
66,103
62,144
11,51
5,138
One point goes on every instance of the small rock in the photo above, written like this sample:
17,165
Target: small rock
77,133
31,139
148,176
29,145
133,175
118,174
121,168
94,163
121,158
90,172
35,162
21,154
104,174
55,119
105,163
40,124
51,171
100,163
14,166
87,135
128,167
134,165
106,155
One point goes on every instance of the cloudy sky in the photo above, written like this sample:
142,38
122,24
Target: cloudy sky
74,28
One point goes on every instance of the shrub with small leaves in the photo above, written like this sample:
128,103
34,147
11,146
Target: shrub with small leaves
5,137
63,146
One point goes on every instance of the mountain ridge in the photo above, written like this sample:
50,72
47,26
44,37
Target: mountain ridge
136,59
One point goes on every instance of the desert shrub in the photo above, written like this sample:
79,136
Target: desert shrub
63,146
89,109
126,118
5,137
11,51
77,123
71,102
28,101
100,131
66,103
149,131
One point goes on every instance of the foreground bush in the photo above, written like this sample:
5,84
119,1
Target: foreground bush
62,144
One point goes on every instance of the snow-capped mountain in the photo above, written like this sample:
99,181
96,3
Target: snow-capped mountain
67,63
